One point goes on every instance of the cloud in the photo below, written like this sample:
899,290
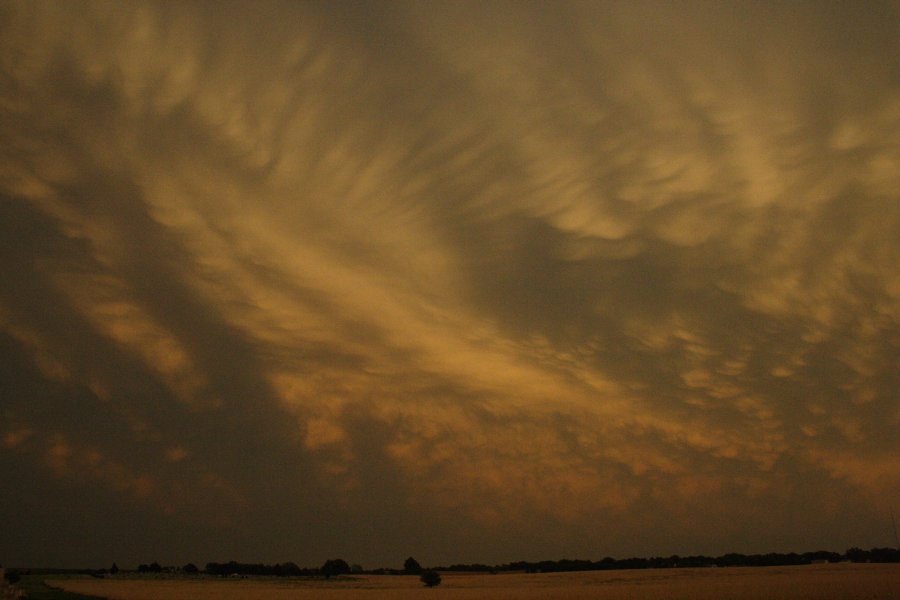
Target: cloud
558,275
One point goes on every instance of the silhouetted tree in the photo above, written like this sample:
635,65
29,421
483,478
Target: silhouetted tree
412,566
884,555
857,555
290,569
819,555
190,569
335,566
430,578
114,569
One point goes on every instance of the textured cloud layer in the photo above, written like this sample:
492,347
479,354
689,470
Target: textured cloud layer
481,282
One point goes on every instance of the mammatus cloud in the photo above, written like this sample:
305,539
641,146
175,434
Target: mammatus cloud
490,282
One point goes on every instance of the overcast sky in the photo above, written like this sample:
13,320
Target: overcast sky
468,281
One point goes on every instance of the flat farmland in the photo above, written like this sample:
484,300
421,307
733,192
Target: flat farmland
813,582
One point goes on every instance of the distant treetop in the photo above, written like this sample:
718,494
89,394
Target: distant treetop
411,565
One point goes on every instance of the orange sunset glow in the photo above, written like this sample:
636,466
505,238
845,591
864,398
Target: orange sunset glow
475,281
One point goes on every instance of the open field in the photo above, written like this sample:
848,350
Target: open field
814,582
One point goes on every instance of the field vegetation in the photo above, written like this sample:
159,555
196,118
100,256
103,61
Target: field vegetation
33,587
844,581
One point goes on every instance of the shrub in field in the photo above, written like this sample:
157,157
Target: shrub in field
430,578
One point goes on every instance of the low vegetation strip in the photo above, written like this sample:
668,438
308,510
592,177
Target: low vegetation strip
35,588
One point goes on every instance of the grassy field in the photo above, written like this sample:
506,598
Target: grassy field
814,582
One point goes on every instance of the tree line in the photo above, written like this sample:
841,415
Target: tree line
332,567
771,559
338,566
287,569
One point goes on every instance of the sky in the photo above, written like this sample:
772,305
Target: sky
465,281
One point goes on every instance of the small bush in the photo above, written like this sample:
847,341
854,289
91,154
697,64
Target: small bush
430,578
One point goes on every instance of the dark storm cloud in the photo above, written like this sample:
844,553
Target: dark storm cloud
482,280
